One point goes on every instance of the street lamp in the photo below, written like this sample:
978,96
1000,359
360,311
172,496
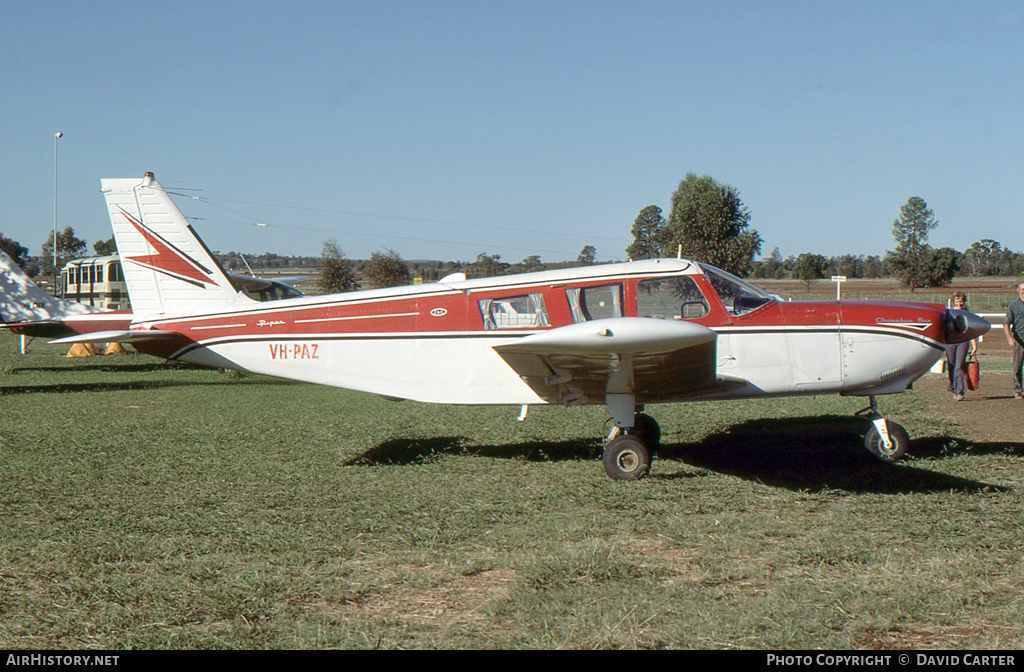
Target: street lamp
56,135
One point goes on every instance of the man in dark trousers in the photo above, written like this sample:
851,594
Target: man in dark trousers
1014,328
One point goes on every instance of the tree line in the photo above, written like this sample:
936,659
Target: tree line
708,222
388,269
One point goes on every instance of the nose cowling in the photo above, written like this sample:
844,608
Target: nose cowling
963,325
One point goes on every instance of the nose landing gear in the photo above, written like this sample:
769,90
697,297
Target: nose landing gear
886,440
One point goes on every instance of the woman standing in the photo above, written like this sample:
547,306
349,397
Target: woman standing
956,355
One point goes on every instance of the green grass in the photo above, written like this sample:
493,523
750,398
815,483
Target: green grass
143,506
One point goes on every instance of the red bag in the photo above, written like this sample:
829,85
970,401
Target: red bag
973,371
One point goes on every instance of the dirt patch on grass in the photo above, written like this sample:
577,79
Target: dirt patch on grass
923,636
681,564
443,599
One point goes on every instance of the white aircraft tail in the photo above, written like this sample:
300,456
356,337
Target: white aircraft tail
166,266
21,300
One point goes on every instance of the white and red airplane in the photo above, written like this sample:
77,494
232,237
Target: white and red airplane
26,309
622,335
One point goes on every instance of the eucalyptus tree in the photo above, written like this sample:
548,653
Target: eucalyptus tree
709,223
647,232
910,260
336,273
387,270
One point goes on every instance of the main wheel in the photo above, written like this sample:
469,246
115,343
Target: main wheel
897,437
626,458
647,429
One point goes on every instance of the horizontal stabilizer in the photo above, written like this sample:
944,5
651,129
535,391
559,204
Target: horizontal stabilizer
119,336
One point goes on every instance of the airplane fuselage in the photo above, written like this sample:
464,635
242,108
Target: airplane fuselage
437,342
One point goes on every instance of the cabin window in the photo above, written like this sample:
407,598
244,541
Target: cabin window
738,296
677,298
99,274
595,303
515,312
113,269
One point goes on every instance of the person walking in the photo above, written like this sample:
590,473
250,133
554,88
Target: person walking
1014,328
957,354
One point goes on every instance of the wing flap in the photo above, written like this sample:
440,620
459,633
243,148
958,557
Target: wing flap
655,360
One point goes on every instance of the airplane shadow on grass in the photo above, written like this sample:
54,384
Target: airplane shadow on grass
70,388
90,364
414,451
814,454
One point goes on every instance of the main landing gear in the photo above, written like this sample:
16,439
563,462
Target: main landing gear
885,440
627,451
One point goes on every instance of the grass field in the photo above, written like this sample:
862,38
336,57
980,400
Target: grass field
145,506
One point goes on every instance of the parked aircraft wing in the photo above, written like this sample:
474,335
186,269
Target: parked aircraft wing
655,360
255,283
22,301
118,336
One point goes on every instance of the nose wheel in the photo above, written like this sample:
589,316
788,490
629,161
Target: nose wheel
889,447
888,441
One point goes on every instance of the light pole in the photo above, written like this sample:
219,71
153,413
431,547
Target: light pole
56,135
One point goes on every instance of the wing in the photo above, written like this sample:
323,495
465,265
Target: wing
22,301
655,360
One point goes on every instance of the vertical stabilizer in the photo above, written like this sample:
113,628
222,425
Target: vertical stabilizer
21,300
166,266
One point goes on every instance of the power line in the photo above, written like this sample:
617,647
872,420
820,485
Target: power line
216,203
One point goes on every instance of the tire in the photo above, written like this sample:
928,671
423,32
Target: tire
897,436
626,458
648,429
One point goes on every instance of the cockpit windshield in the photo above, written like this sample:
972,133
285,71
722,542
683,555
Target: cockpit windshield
738,296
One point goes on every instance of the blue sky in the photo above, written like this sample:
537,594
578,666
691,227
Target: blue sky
447,129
